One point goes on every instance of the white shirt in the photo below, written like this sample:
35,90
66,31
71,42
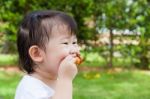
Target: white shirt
32,88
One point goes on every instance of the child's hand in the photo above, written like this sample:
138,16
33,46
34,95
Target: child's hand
68,68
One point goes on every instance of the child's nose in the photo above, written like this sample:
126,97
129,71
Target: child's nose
74,51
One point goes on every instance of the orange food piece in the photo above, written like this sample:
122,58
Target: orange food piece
78,60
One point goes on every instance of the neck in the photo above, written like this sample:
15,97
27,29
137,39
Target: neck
45,77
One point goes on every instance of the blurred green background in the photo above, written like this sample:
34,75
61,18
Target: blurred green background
114,37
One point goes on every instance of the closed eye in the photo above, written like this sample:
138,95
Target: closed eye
66,43
74,43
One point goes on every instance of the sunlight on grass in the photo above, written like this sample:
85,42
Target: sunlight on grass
124,85
8,59
8,83
101,85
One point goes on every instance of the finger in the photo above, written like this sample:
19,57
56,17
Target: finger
69,57
74,60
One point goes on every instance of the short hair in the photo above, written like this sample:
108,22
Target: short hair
35,29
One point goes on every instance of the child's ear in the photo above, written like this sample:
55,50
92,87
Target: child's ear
36,53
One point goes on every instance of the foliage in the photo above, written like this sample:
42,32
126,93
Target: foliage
91,16
7,60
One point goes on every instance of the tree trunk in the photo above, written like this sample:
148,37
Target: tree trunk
111,49
144,62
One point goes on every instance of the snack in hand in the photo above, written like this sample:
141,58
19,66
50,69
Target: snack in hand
78,60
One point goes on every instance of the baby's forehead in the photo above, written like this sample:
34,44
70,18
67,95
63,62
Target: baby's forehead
62,31
60,28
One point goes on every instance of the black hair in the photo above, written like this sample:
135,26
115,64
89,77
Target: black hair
35,29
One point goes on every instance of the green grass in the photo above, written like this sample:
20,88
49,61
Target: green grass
8,59
123,85
8,83
91,59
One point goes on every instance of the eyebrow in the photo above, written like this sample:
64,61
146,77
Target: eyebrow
67,37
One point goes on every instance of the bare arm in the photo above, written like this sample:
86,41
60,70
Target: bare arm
66,74
63,89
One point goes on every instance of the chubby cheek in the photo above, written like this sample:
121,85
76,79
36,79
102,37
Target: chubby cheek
57,57
62,55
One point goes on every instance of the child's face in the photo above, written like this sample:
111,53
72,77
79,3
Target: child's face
60,45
